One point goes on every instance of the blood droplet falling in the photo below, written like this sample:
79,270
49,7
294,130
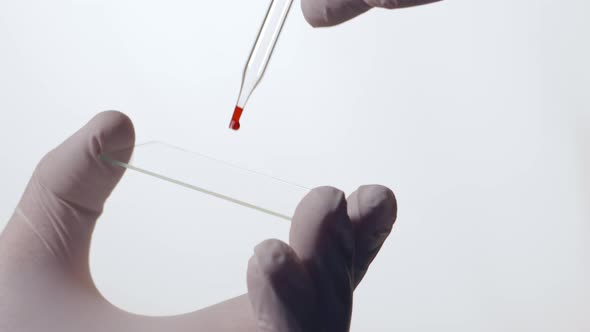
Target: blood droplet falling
235,119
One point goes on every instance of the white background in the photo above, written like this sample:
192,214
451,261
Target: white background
475,112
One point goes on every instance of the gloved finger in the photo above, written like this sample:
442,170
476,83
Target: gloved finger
392,4
372,211
322,13
321,235
56,215
279,289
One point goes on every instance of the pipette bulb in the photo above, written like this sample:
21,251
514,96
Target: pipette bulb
235,119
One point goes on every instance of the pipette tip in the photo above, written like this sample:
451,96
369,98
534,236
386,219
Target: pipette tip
235,119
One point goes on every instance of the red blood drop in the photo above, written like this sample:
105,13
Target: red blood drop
235,119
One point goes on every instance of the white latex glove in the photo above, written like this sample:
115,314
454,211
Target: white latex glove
45,281
321,13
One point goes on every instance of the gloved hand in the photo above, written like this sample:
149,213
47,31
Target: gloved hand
320,13
45,281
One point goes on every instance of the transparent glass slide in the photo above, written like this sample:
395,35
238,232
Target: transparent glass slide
214,177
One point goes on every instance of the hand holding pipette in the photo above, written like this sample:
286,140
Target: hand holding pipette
318,13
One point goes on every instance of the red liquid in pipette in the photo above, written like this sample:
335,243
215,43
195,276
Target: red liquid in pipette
235,119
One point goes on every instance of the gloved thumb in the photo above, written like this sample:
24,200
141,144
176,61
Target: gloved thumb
280,290
322,13
55,218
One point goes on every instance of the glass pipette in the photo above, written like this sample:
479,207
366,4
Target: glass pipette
260,54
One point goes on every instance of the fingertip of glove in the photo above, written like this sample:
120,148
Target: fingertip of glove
324,200
111,131
321,220
319,210
325,13
272,256
313,13
377,199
